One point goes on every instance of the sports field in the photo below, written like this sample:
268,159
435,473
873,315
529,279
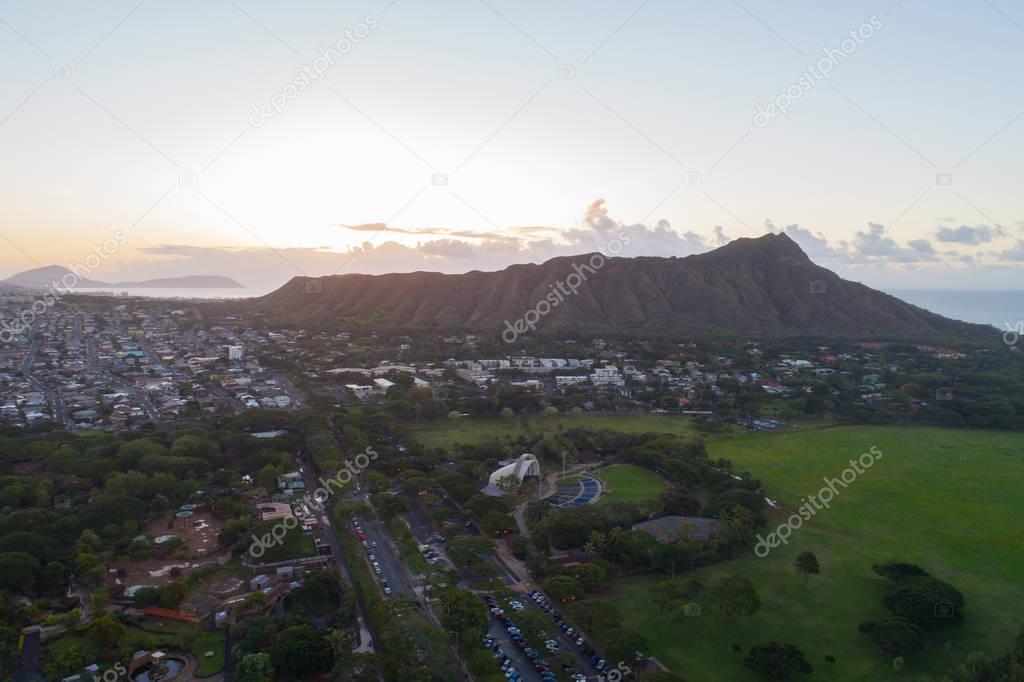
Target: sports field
948,500
627,483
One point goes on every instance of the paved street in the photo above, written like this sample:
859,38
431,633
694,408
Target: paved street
393,569
330,535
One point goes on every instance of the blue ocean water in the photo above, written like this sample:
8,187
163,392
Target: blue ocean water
997,308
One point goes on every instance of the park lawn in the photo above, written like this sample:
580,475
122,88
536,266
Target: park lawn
294,544
628,483
474,430
209,640
946,499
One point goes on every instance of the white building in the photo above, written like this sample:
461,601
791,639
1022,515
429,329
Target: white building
360,391
525,465
607,376
236,352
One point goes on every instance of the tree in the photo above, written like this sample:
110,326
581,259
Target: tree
806,564
672,596
105,632
470,551
65,663
302,651
894,636
734,595
88,568
678,502
320,593
253,635
777,661
674,556
376,482
590,576
255,668
461,610
509,484
925,601
171,595
497,523
18,572
625,645
895,570
563,588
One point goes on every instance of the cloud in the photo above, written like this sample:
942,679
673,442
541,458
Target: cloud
453,251
449,248
966,234
598,229
815,245
381,228
1014,253
875,245
720,238
922,246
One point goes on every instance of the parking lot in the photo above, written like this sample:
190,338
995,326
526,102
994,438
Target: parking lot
583,653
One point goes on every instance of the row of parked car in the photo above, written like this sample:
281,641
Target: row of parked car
517,637
575,637
370,546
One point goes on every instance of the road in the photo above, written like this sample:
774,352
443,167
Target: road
306,467
30,358
53,397
29,672
140,395
294,393
393,569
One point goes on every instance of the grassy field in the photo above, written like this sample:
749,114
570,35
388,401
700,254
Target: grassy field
948,500
399,530
209,640
627,483
134,639
442,434
294,544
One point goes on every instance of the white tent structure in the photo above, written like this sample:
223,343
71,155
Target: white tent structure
525,465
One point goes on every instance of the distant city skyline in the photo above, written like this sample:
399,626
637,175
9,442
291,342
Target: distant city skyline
261,141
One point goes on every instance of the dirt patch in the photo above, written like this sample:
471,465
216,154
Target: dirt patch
179,545
198,533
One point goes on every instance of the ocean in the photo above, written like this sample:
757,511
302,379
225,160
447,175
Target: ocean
997,308
149,292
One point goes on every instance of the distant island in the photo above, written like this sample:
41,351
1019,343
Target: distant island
45,277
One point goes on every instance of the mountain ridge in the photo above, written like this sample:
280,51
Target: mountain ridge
52,275
764,286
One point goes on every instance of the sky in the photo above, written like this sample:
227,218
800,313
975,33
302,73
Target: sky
264,140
